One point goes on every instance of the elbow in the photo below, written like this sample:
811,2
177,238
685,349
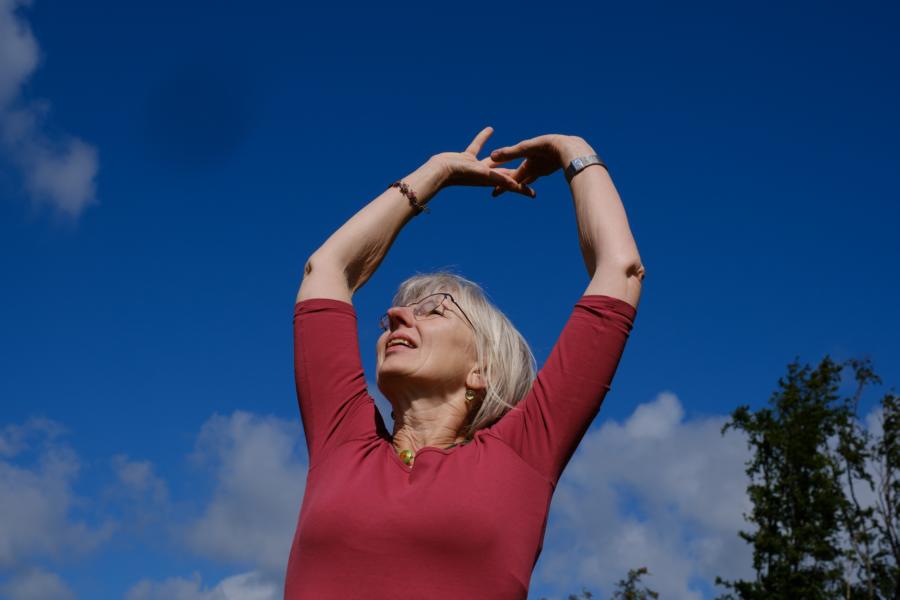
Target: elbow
632,265
636,269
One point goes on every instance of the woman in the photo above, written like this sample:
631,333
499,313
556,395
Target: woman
454,503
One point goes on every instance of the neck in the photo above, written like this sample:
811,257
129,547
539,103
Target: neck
406,438
429,422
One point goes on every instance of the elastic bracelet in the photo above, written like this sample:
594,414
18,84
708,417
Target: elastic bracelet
409,193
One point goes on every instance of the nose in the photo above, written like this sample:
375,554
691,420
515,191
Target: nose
400,314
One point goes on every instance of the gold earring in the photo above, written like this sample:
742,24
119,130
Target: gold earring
470,395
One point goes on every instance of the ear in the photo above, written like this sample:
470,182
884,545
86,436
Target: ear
475,380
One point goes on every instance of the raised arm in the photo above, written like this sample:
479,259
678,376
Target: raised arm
351,255
607,245
546,426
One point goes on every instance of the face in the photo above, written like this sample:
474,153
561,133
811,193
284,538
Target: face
443,355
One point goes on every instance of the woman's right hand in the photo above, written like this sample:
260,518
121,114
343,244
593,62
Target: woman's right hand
543,156
465,168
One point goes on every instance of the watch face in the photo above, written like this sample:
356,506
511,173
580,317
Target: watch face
577,163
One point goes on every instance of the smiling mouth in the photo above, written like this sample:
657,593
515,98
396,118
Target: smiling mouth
397,347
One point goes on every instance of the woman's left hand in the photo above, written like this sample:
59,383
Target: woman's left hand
543,156
464,168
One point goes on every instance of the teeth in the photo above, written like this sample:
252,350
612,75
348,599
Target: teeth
399,341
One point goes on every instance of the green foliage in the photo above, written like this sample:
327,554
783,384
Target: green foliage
825,493
810,459
628,588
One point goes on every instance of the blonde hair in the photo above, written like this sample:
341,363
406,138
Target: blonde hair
508,366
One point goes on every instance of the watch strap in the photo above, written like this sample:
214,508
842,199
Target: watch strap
579,164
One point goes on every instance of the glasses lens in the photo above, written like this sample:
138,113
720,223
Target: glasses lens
426,308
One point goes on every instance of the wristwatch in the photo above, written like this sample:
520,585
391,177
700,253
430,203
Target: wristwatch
579,164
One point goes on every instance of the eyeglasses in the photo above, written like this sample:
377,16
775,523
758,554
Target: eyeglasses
426,308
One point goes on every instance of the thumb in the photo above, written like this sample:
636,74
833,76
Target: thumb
516,151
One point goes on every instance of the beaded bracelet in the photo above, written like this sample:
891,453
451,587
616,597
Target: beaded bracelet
409,193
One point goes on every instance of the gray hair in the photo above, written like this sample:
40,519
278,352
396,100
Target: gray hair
508,366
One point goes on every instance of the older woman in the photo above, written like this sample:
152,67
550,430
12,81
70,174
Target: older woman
454,502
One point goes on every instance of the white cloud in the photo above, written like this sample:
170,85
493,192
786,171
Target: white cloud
18,51
140,479
260,483
36,496
245,586
138,496
14,438
36,584
656,491
58,172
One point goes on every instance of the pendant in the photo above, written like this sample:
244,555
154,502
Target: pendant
406,456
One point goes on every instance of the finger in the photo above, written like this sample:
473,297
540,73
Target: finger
511,184
518,150
475,147
517,176
518,173
514,173
507,172
490,162
524,170
528,191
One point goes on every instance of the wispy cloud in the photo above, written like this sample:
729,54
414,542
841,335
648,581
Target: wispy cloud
245,586
260,479
36,584
37,471
60,171
658,491
259,473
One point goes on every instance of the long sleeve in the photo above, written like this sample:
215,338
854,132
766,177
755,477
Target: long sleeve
547,425
331,384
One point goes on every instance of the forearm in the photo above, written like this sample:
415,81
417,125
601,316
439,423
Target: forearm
603,229
359,246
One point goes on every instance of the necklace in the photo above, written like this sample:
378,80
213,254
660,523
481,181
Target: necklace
407,455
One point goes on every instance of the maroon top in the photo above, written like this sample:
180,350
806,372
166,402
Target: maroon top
466,522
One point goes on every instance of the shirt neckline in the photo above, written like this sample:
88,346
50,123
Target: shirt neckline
408,468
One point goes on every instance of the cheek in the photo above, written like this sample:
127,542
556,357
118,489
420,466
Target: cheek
454,350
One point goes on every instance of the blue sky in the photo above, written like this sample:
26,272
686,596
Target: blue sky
166,169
